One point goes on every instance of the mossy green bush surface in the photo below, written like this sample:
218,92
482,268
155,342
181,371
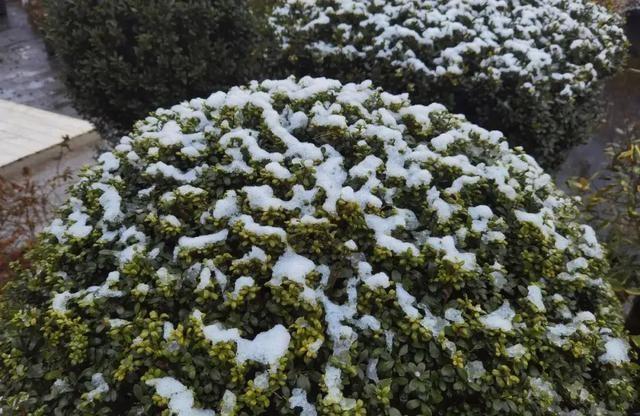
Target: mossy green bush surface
307,247
123,58
532,69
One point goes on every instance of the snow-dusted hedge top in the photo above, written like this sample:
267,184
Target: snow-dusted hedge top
571,42
474,55
306,247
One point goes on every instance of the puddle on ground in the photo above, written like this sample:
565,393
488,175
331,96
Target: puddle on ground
622,99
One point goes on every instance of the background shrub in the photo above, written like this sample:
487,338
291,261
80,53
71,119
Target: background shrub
532,69
306,246
263,6
611,202
124,58
35,11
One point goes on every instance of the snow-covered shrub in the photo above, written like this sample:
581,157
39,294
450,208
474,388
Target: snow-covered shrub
306,247
532,69
124,58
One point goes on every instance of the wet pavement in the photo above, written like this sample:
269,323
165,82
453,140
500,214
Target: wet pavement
27,74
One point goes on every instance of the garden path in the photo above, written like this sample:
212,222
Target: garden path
27,74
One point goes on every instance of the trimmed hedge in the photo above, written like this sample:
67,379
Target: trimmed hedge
307,247
124,58
531,69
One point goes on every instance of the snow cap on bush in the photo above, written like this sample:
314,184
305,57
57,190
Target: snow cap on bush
307,247
531,68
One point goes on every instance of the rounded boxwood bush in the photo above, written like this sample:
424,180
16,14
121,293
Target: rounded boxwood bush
532,69
123,58
307,247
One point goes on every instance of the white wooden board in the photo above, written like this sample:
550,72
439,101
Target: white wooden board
32,139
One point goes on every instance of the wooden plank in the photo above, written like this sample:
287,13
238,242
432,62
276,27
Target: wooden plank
27,131
14,147
40,133
28,114
47,163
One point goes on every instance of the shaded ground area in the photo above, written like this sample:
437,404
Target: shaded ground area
27,74
622,96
